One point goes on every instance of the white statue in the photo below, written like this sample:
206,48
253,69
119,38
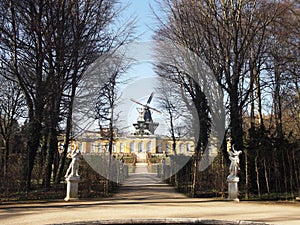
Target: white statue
235,162
72,171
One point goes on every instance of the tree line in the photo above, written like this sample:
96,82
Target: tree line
46,47
252,51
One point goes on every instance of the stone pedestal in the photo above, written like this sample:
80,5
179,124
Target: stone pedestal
72,188
233,189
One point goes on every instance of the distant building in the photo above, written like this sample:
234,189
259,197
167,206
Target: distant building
92,142
142,140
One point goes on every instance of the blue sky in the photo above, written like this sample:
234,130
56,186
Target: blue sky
144,81
145,18
146,23
145,26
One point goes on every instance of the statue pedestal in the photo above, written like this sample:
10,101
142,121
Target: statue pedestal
233,189
72,188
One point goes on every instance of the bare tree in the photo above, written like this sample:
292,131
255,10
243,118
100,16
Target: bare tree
177,113
107,99
222,32
51,43
284,63
251,48
91,42
22,30
11,110
175,66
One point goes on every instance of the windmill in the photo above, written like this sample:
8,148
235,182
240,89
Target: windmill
145,124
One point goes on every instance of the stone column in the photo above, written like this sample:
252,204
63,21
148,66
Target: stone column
233,189
72,188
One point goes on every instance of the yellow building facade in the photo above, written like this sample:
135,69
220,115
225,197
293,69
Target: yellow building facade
92,142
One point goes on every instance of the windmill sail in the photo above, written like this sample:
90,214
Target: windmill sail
145,124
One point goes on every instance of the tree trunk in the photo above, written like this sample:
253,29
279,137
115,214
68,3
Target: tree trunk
6,157
277,103
43,155
259,100
257,177
296,82
68,130
172,131
1,161
51,148
266,177
204,122
195,174
276,165
246,175
251,130
296,171
223,175
236,122
290,165
284,174
34,131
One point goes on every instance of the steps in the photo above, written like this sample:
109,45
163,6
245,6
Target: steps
141,168
141,157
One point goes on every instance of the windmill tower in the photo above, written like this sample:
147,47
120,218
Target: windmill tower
145,124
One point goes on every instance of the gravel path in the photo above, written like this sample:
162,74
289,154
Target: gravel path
144,196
